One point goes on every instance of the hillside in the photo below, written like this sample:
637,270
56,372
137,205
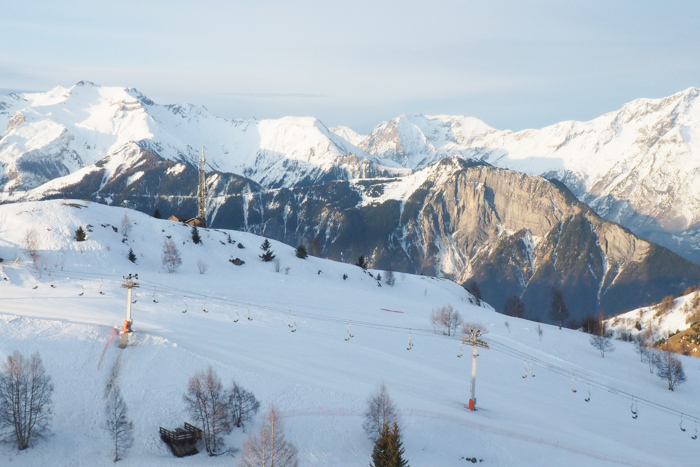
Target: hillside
318,380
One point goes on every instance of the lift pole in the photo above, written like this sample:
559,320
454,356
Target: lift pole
474,339
128,283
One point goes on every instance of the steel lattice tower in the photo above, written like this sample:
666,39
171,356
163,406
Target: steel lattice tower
202,191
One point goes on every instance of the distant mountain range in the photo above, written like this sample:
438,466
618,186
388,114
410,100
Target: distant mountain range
419,193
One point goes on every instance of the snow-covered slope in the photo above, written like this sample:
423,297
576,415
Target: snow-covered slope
318,380
53,134
662,323
638,166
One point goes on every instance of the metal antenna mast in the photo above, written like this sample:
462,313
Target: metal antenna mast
128,283
202,191
474,339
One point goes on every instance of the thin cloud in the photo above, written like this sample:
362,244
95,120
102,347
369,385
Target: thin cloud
275,95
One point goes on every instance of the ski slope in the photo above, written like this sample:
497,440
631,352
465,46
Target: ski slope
317,379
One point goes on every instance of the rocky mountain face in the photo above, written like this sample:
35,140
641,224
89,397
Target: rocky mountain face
638,166
515,234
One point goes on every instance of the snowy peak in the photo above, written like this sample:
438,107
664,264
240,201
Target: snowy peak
81,125
415,141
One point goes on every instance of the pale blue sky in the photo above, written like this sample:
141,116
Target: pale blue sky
515,64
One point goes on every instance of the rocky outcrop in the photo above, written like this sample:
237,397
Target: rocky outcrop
515,234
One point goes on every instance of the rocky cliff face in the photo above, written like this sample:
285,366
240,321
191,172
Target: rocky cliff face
516,234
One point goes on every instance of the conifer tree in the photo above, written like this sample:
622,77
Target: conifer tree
156,213
80,235
195,235
388,450
132,256
267,255
301,252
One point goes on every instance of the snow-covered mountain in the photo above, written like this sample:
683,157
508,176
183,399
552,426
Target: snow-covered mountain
638,166
54,134
66,305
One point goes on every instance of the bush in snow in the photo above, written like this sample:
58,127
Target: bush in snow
202,266
25,399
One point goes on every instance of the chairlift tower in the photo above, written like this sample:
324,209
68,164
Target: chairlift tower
129,282
202,191
474,339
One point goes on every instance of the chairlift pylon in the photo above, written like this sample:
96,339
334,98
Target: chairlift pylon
589,394
249,318
459,355
204,306
572,385
154,295
184,300
525,375
410,342
633,408
681,424
82,288
532,375
695,436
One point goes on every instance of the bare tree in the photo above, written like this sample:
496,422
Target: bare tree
670,368
389,277
602,340
380,410
171,256
202,266
242,405
25,399
557,308
117,423
126,225
31,243
207,403
641,344
269,448
447,318
468,327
